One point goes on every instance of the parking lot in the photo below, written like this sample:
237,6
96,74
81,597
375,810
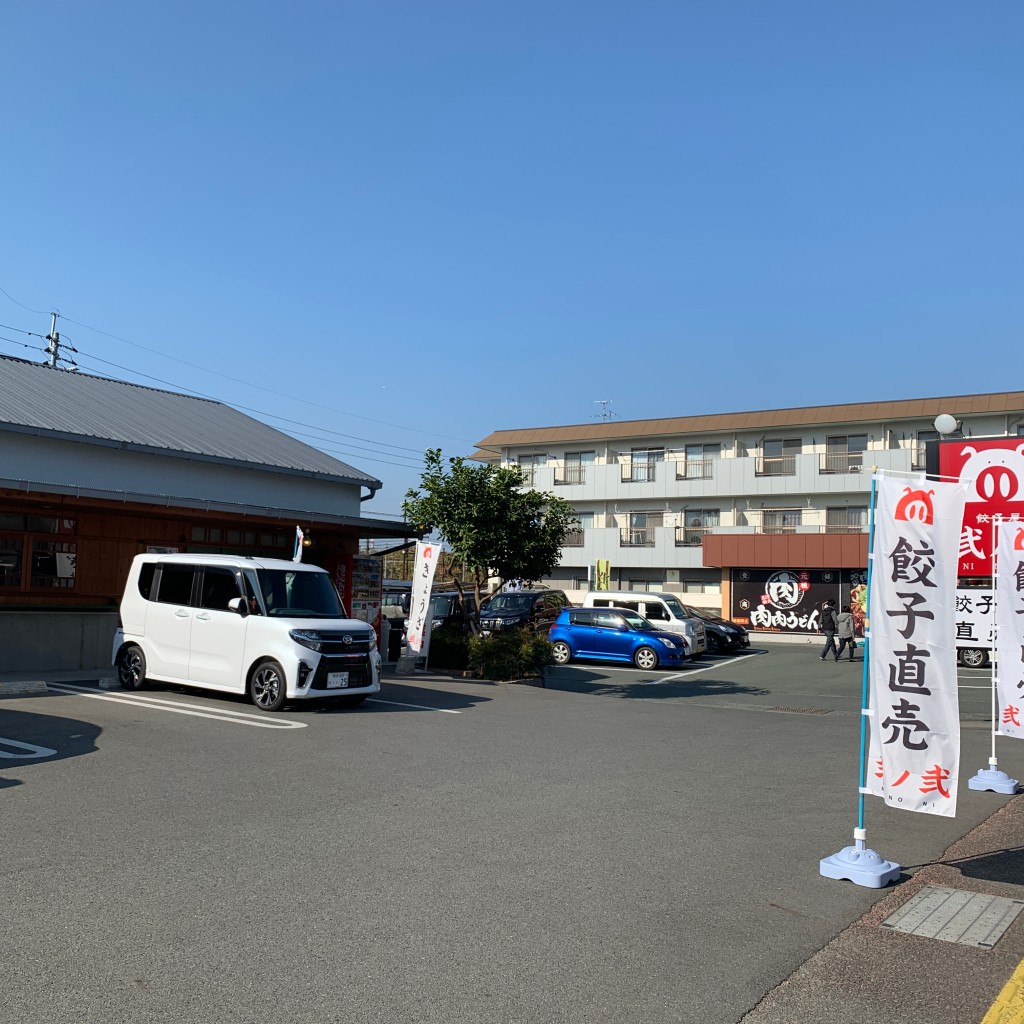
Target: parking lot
614,846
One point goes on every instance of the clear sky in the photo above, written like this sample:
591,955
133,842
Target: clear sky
398,224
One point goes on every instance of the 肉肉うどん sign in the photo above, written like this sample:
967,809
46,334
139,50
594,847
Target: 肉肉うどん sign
786,600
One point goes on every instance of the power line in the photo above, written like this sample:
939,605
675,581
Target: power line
284,419
260,387
41,312
198,394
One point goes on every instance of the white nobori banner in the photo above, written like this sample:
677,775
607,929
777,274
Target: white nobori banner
914,761
418,633
1009,548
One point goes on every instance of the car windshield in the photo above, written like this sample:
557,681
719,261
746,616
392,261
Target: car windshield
675,607
299,594
442,605
503,604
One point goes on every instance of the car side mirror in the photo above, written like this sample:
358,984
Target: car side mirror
240,605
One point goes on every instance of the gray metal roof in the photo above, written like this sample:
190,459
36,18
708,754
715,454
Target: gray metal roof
40,399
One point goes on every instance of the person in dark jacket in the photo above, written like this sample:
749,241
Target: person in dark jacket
828,627
844,629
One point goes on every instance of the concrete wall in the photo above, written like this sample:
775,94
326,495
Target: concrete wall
55,641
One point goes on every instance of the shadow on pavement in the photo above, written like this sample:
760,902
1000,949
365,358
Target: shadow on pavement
1000,866
27,738
579,680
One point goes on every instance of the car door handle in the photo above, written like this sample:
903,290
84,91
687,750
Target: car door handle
182,613
205,616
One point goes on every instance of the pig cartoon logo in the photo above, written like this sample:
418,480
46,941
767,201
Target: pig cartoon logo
996,474
1018,541
915,506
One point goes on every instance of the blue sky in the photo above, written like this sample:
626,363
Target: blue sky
398,225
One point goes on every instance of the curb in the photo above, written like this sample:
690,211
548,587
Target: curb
21,687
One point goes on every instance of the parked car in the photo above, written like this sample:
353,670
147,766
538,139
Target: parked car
664,610
272,629
536,609
722,635
613,634
446,608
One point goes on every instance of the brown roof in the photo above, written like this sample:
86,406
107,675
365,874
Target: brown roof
955,405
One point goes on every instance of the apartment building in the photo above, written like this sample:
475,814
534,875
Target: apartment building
732,508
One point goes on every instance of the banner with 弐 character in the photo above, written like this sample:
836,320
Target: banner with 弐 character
1009,548
914,760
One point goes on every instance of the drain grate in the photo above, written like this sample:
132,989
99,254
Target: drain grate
952,915
800,711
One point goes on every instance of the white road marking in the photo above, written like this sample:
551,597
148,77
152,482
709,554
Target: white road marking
419,707
689,673
195,710
33,750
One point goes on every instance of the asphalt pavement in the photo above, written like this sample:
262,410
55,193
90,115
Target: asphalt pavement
616,846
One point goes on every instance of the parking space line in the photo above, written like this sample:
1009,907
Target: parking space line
419,707
688,673
194,710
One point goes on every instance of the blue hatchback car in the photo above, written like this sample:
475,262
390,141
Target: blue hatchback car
613,634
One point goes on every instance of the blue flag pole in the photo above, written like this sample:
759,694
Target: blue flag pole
859,863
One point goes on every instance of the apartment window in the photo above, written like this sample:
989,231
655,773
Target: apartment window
574,468
528,464
779,457
844,453
640,465
640,532
574,535
781,520
698,461
919,457
644,586
702,586
846,519
696,522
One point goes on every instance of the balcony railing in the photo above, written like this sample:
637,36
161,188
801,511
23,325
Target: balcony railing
694,469
919,458
638,472
570,474
845,528
775,465
781,527
841,462
529,475
691,536
573,539
636,537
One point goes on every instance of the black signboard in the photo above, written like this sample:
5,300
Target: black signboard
790,600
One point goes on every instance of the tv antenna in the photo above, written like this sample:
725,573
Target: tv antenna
605,413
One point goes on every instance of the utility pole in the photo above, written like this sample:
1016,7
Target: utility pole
53,339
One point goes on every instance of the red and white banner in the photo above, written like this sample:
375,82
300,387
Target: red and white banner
418,632
914,760
993,471
1009,546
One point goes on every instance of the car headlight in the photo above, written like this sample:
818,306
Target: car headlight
668,643
307,637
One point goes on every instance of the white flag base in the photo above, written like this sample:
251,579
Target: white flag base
861,866
992,780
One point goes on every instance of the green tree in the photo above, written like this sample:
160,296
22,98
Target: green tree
493,527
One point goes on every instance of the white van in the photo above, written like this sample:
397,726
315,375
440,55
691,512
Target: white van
272,629
664,610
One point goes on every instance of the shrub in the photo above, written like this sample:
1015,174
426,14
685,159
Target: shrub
511,655
449,648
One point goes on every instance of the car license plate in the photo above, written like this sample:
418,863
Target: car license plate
337,680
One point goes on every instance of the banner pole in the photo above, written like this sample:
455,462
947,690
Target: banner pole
991,779
858,863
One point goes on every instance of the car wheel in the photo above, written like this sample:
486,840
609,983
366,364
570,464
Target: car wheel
645,658
714,644
973,657
131,668
560,652
267,686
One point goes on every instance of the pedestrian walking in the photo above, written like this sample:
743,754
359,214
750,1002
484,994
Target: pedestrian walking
828,627
844,630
